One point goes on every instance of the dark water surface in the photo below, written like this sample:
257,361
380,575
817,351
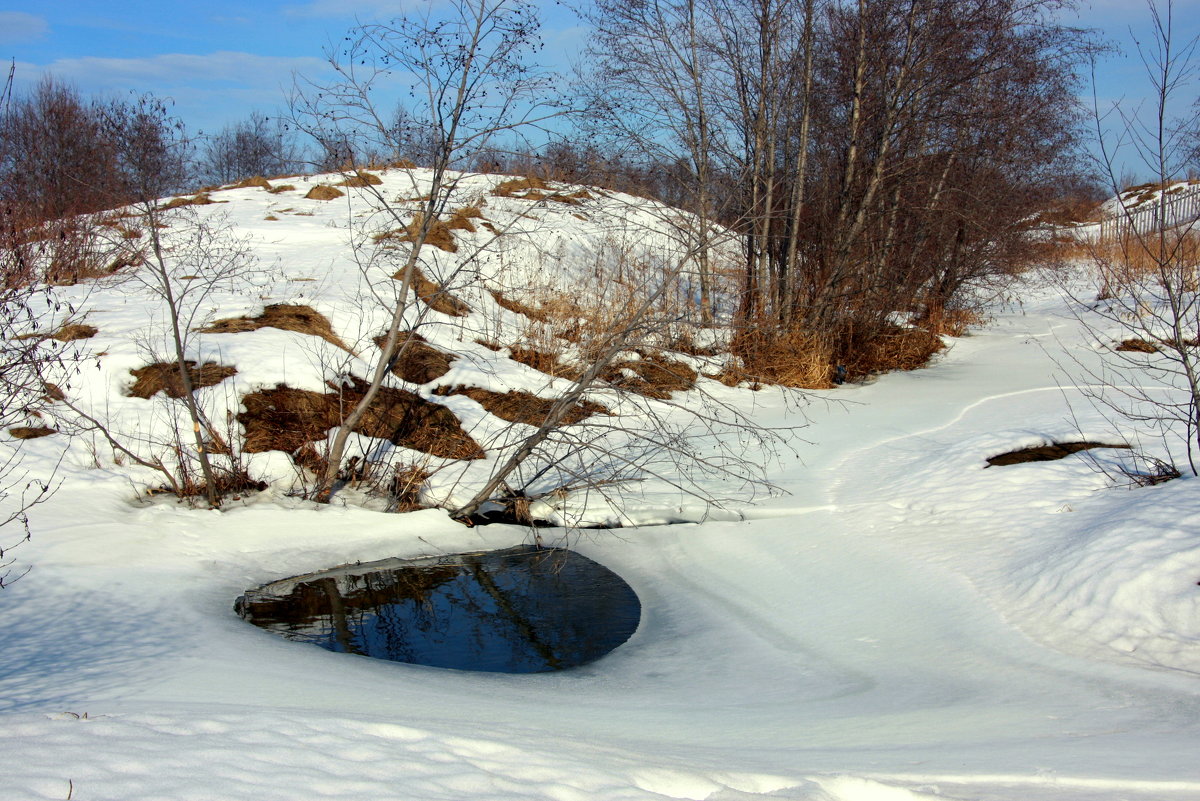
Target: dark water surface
518,610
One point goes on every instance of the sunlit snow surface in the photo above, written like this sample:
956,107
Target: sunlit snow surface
905,625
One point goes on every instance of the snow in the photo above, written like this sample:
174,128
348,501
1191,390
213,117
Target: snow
904,624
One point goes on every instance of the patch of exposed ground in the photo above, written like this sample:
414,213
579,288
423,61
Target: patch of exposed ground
164,377
287,419
285,317
1048,453
653,376
420,362
518,406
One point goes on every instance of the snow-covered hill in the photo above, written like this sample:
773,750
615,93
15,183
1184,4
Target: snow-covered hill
906,622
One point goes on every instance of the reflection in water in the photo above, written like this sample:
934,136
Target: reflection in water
519,610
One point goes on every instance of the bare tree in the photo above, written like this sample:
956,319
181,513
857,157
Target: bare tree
258,145
471,81
1149,265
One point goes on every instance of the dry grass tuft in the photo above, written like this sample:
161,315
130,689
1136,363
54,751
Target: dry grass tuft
323,192
405,488
275,190
68,333
257,180
788,358
271,218
438,236
534,188
288,419
895,348
201,199
518,307
420,362
511,187
460,220
75,331
284,316
285,419
653,376
435,296
1137,346
164,377
362,178
403,164
30,432
518,406
545,362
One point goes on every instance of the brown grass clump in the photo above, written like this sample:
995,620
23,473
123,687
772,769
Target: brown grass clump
74,331
30,432
895,348
435,296
460,220
534,188
323,192
68,333
653,376
287,419
1137,346
518,406
516,306
545,362
511,187
257,180
420,362
362,178
403,164
787,358
164,377
275,190
284,316
438,235
201,199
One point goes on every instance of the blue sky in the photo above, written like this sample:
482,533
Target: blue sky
220,59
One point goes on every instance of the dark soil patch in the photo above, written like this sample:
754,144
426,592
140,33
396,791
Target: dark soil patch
1048,453
284,316
653,376
164,377
420,362
518,406
287,419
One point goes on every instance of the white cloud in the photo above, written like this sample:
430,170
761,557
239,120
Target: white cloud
17,26
168,70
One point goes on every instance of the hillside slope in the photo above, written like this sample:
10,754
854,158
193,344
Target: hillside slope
904,622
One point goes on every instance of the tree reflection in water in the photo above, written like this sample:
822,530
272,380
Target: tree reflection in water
519,610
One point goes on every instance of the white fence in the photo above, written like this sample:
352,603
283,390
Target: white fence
1175,209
